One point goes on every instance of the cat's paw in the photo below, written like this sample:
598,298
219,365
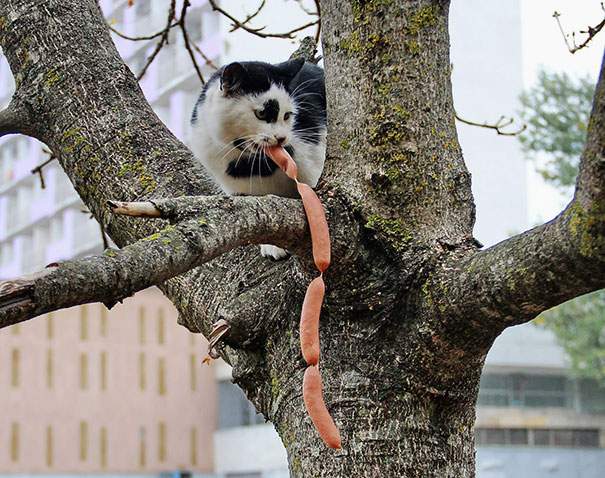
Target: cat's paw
274,252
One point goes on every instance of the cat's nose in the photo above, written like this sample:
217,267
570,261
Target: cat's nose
280,139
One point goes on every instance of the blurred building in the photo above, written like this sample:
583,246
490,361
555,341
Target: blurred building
92,391
533,419
87,390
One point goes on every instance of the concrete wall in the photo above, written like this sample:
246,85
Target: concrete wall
88,390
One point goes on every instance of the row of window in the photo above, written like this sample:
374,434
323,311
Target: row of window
16,440
84,371
532,391
568,438
143,315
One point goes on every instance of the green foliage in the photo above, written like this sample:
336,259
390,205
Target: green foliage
580,328
556,112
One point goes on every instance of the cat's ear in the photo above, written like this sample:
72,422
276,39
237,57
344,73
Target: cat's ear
232,78
289,69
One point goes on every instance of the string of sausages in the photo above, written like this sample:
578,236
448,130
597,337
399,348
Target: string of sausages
311,309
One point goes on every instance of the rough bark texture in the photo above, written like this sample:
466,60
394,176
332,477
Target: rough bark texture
412,306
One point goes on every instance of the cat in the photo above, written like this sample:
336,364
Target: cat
247,105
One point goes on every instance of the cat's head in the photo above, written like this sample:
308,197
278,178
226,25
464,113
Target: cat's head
254,108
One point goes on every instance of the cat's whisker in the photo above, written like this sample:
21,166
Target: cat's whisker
301,85
248,146
247,143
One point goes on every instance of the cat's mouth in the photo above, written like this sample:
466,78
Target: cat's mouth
257,146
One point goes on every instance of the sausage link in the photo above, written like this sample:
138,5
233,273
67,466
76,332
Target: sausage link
320,234
316,408
283,160
311,309
309,321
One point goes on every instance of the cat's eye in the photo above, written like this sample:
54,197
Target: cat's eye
260,114
287,115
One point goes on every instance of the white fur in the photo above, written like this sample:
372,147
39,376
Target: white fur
221,120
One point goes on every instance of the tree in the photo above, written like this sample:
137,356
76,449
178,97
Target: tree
557,111
413,306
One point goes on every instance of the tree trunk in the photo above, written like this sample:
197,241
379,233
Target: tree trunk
394,421
412,306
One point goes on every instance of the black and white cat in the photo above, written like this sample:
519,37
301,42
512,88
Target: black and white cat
248,105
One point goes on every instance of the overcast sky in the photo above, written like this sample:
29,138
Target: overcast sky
543,45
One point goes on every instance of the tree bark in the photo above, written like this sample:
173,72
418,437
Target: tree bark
412,306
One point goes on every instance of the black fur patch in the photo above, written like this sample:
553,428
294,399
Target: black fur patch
247,166
309,92
270,111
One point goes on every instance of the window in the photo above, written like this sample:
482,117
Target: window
142,448
499,390
49,446
193,23
83,441
592,396
103,447
49,369
56,228
193,446
50,322
564,438
8,159
6,250
142,334
193,366
234,408
518,436
14,439
83,371
83,322
162,442
103,370
142,372
162,376
161,327
103,319
15,362
142,8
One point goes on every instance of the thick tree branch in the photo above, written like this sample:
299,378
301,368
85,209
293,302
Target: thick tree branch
517,279
207,227
13,119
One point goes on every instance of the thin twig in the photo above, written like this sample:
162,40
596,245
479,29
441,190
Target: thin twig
258,31
186,5
38,169
163,39
250,17
104,236
208,61
139,38
318,32
502,122
591,32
